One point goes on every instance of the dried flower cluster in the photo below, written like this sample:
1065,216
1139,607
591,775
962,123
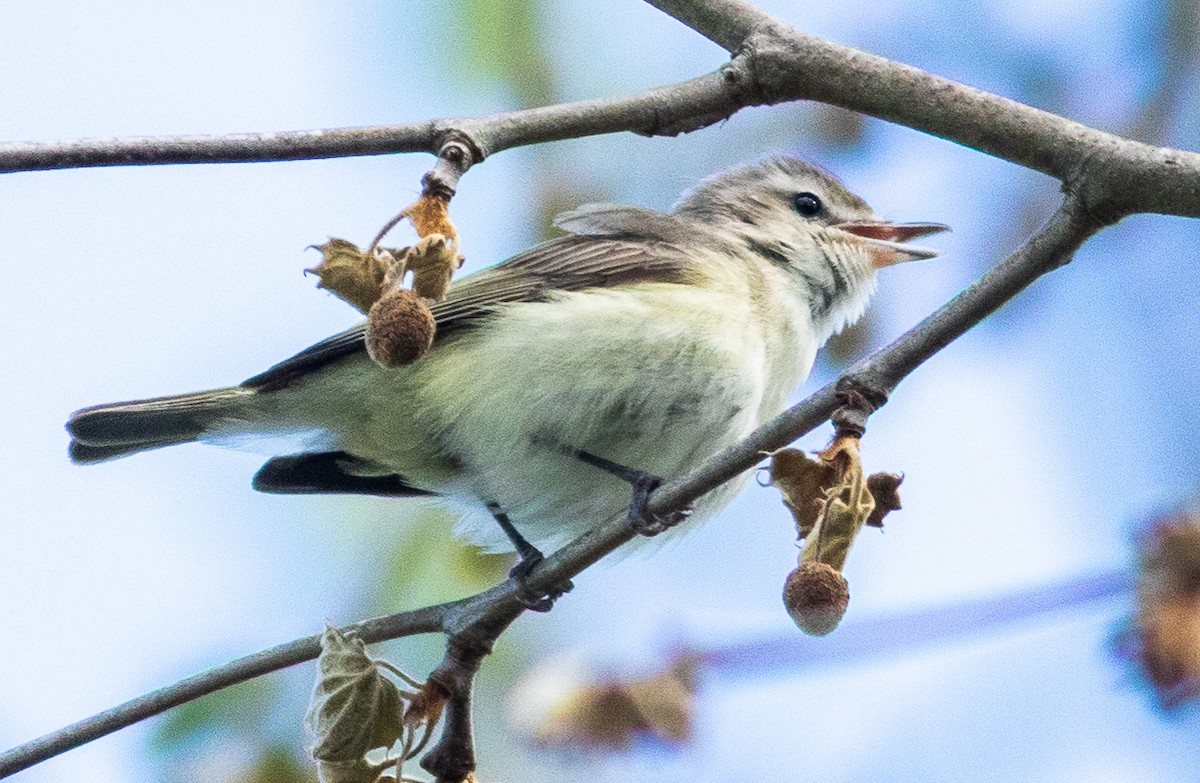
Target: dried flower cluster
830,501
400,325
608,713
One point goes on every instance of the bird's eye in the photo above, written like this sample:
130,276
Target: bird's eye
807,204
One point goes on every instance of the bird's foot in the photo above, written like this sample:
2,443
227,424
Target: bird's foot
530,556
535,600
640,520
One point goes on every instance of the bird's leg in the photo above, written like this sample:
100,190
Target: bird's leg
640,520
529,556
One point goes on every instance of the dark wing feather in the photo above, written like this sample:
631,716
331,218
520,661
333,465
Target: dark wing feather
324,473
572,263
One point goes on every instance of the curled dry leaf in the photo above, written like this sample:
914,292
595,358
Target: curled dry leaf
803,482
844,506
353,275
885,491
354,708
432,262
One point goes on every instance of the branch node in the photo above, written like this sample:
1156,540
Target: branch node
772,62
1095,191
857,400
457,151
453,758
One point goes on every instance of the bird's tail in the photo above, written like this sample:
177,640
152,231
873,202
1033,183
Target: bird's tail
105,432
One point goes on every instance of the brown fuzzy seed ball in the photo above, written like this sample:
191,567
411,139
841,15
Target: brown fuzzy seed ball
816,596
400,329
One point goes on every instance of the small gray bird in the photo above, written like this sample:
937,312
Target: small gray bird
641,339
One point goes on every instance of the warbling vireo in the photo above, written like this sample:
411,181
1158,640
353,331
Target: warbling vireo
651,340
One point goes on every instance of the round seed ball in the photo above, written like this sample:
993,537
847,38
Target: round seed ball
816,596
400,328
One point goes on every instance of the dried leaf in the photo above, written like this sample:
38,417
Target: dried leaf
845,510
836,530
350,274
432,262
1170,648
885,490
594,716
803,482
666,702
354,708
614,714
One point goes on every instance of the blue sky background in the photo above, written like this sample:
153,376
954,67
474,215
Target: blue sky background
1033,447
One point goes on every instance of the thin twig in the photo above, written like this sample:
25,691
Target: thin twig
661,111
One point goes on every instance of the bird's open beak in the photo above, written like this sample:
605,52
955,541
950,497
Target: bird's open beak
885,240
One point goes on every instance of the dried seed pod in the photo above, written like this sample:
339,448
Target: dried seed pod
400,329
816,596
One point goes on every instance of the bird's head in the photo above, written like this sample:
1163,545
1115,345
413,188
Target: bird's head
792,215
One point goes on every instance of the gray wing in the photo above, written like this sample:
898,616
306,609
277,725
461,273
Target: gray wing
571,263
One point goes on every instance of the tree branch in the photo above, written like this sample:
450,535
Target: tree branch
1105,178
661,111
785,64
773,62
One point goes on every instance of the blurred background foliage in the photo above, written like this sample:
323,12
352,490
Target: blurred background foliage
1032,447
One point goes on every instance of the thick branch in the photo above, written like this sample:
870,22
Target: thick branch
1114,175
